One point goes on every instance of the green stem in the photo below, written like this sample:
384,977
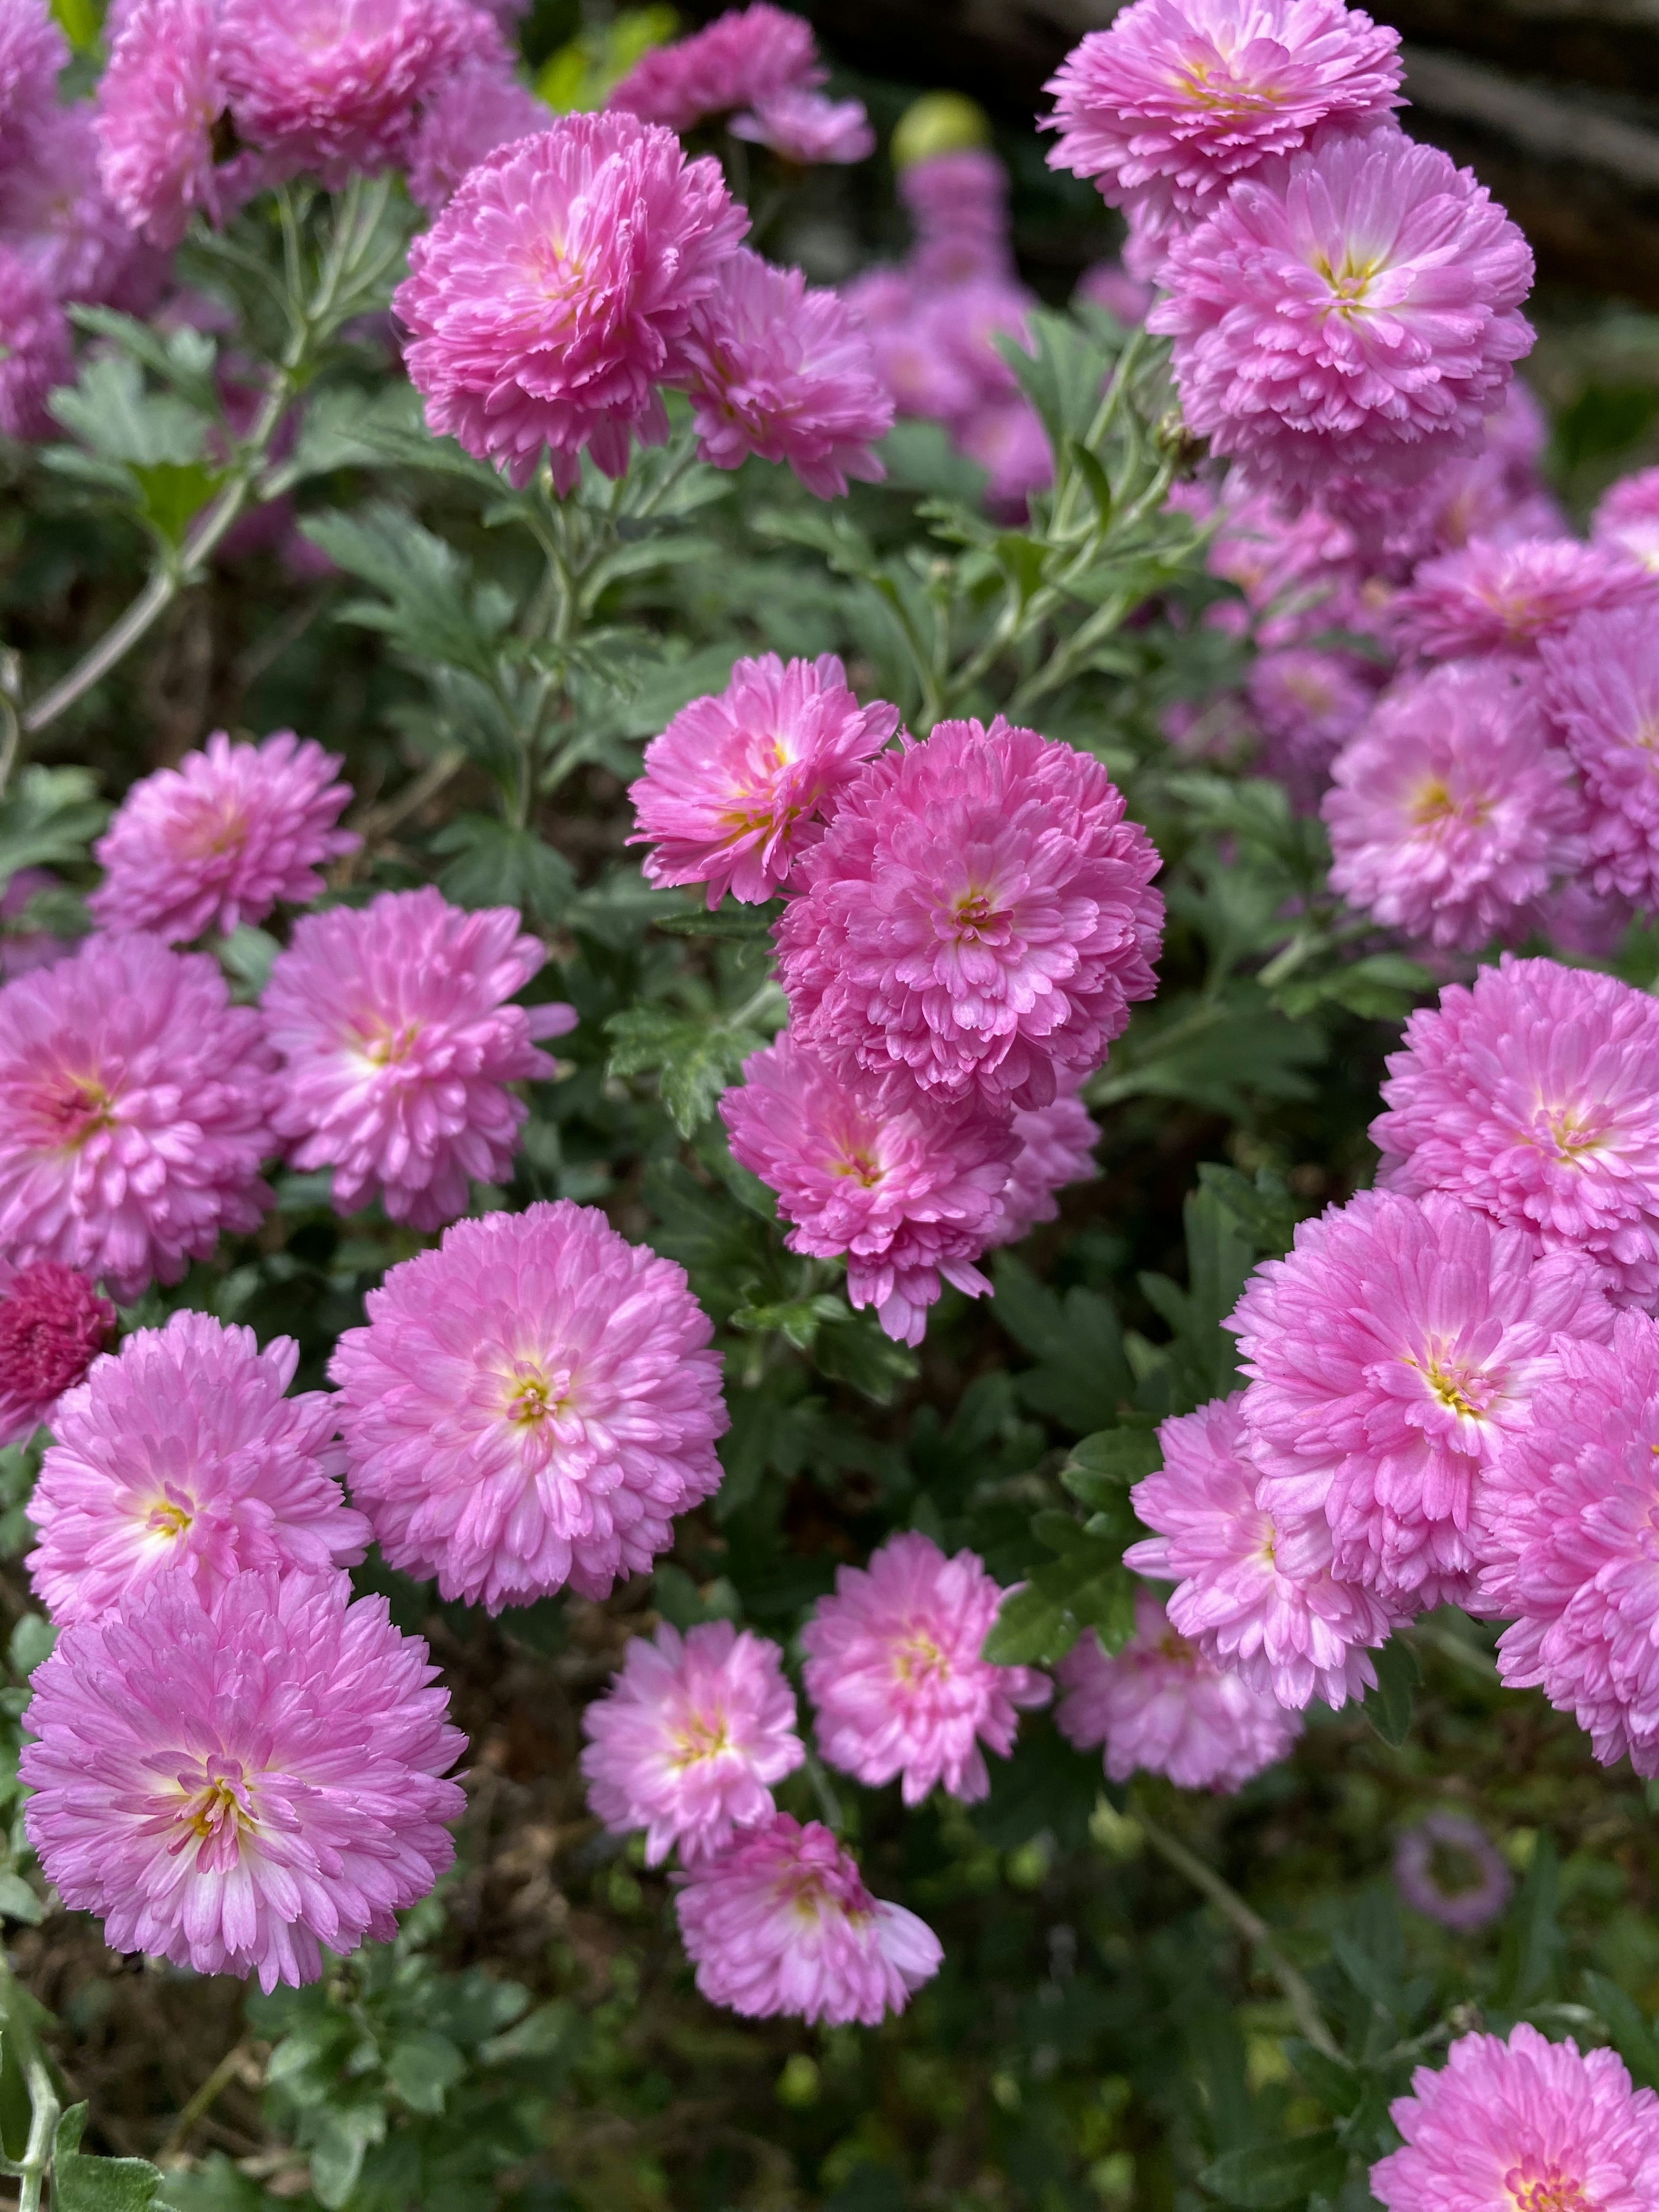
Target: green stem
221,2078
44,2108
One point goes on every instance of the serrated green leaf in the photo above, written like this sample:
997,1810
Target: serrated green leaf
49,819
81,2183
172,494
695,1059
1267,2175
424,608
111,412
1104,1467
491,863
424,2069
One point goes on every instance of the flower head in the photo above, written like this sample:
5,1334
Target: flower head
1056,1147
56,216
906,327
1308,704
977,921
908,1190
739,785
1505,597
529,1405
1600,691
786,372
893,1666
685,1741
333,85
481,107
801,126
1254,1591
397,1044
52,1326
183,1453
1394,1356
219,839
158,103
1419,1861
1351,312
32,50
548,300
134,1113
957,203
1161,1706
34,350
782,1924
1452,812
1179,97
745,56
232,1785
1108,284
1534,1096
1525,2124
1628,518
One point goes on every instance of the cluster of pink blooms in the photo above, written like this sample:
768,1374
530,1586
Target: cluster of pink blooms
758,69
968,924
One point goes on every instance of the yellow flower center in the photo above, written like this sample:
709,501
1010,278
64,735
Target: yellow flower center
168,1519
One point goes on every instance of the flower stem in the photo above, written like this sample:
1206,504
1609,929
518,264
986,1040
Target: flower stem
43,2107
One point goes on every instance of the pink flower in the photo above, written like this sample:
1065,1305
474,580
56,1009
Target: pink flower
957,203
1506,598
1308,704
744,57
333,85
52,1326
977,921
803,127
1161,1706
230,1786
739,785
908,1190
1534,1096
1108,284
549,299
219,839
1394,1356
1600,691
34,350
1417,1878
397,1044
134,1113
1254,1591
481,107
785,373
1569,1543
56,216
1056,1147
1179,97
32,50
529,1405
1293,570
893,1666
782,1924
1628,518
1351,312
1452,813
182,1453
905,326
1009,442
1522,2122
688,1735
158,102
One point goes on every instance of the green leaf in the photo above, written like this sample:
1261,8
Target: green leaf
1105,1466
49,820
1267,2175
744,924
1061,371
694,1057
1388,1706
81,2183
495,863
1383,986
423,2069
18,1901
1200,1360
172,494
1082,1378
113,415
1221,1053
32,1641
1533,1937
1263,1210
1333,2080
424,608
1633,2035
1088,1586
338,2149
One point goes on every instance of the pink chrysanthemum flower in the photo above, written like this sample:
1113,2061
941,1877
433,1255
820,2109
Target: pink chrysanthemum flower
1420,1856
52,1326
976,923
219,839
1009,442
688,1738
957,203
1179,97
1452,813
1569,1543
902,322
32,50
782,1924
740,783
1255,1591
1352,312
231,1786
547,301
134,1113
893,1667
35,354
481,107
1505,597
333,85
908,1190
158,102
1393,1356
1628,518
56,215
1294,570
1600,691
531,1404
785,373
802,126
1162,1707
1526,2123
1534,1096
1308,704
1108,284
1056,1147
744,57
184,1453
397,1044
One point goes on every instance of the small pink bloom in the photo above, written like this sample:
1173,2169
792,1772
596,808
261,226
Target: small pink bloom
1161,1706
744,57
687,1738
1308,705
1628,518
1600,692
957,203
35,356
1108,284
1056,1147
52,1326
893,1666
802,126
1505,598
782,1924
481,107
739,785
158,102
32,50
56,216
